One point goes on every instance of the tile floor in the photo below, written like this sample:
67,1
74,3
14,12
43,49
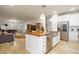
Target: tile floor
17,47
64,47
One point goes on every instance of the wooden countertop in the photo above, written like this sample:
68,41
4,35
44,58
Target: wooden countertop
38,33
53,33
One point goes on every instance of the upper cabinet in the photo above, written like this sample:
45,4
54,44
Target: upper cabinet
74,19
64,18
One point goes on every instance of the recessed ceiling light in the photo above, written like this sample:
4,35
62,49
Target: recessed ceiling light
13,20
72,9
12,5
54,12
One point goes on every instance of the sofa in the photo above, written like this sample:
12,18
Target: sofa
5,38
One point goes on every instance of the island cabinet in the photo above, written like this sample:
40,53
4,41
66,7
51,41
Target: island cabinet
36,44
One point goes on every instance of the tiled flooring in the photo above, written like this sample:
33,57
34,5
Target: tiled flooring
64,47
17,47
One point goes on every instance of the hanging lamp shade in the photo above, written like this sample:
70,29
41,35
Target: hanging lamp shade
42,16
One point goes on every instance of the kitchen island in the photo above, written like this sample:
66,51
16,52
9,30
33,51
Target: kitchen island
38,42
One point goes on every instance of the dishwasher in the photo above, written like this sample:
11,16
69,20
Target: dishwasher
49,43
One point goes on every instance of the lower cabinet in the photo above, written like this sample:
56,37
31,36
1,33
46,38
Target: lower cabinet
73,36
40,44
35,44
74,33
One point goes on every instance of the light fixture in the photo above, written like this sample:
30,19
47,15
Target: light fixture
56,15
13,20
42,16
72,9
12,5
54,12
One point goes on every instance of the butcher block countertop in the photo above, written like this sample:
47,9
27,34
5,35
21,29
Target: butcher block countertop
54,33
38,33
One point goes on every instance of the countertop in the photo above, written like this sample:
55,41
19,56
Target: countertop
38,33
43,33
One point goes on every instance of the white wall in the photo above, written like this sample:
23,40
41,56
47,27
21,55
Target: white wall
15,25
38,20
43,22
32,21
21,25
54,20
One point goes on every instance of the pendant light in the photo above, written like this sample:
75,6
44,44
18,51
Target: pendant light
42,16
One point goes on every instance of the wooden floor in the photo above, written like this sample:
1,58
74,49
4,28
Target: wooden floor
18,47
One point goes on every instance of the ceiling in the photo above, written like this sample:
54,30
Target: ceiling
33,11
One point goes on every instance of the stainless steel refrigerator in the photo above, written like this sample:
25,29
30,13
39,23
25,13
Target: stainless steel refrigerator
63,28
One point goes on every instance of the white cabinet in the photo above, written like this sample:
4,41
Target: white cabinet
42,44
74,19
63,18
73,34
56,40
35,44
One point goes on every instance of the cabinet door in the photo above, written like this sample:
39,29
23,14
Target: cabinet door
73,36
35,44
42,44
74,19
32,43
